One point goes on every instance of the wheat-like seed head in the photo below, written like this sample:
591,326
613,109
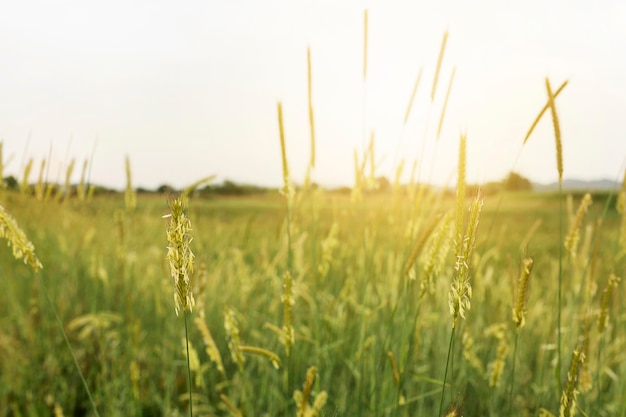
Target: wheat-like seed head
288,303
568,397
541,113
179,254
603,319
469,353
573,237
231,326
302,397
25,187
22,247
81,191
413,93
417,249
460,294
519,312
233,409
274,359
394,368
460,197
445,104
210,346
438,70
129,197
497,366
557,131
39,188
67,191
435,257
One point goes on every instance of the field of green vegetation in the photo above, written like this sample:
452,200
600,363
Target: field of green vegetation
331,288
301,302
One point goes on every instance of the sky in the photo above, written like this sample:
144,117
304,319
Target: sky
190,89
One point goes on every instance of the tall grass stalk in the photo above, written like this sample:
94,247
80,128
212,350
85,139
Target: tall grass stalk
519,316
519,154
24,249
181,260
287,192
559,166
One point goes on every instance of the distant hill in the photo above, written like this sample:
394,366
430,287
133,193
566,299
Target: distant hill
579,185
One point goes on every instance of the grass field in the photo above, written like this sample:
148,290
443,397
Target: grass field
379,349
403,302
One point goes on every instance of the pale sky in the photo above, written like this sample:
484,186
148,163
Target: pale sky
189,88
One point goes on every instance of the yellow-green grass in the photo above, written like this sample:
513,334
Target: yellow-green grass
106,272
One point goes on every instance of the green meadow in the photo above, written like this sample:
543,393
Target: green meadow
402,300
376,329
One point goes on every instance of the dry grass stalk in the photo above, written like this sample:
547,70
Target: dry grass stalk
39,188
436,256
210,346
311,118
439,62
81,190
394,368
302,397
603,319
179,255
231,407
460,294
288,303
497,366
231,326
25,186
413,93
567,406
469,353
130,197
557,131
541,113
519,312
573,237
67,189
283,152
329,244
460,198
419,245
621,208
274,359
445,104
17,240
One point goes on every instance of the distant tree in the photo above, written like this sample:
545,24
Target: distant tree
11,182
165,189
515,182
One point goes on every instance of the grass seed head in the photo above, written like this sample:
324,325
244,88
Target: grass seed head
17,240
180,256
519,312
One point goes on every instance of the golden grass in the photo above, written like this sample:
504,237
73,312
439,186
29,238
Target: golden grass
442,51
521,303
445,103
310,101
413,94
179,255
22,247
557,130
